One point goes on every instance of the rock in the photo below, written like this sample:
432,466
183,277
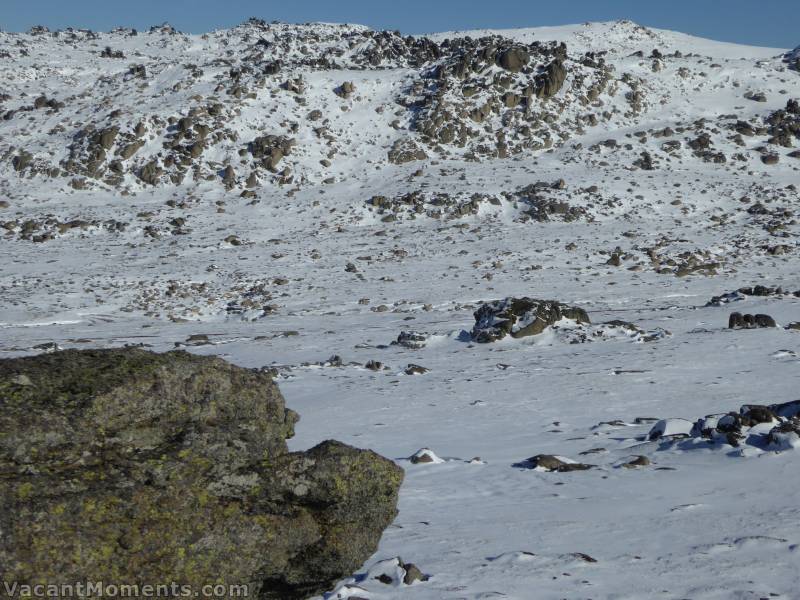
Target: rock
784,436
746,321
726,428
424,455
549,83
514,59
269,150
109,53
584,557
151,173
412,369
411,339
548,462
21,161
405,150
412,574
131,149
639,461
521,317
756,96
140,467
754,414
345,90
105,137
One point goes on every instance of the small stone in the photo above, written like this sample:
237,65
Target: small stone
639,461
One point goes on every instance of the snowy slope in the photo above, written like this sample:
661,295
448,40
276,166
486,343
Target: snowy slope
643,186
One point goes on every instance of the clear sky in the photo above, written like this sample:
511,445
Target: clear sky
774,23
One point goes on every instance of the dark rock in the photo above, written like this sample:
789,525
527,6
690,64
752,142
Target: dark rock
639,461
271,149
345,90
756,96
151,173
143,467
751,415
21,161
412,574
405,150
412,369
747,321
521,317
550,81
411,339
584,557
553,463
514,59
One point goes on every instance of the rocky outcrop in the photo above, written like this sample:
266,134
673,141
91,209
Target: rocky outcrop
550,81
521,317
773,427
405,150
514,59
269,150
131,466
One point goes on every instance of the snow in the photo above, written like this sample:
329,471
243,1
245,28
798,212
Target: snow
703,520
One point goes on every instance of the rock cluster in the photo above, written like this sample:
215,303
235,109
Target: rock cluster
521,317
770,427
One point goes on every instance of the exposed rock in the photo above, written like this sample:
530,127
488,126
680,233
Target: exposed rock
424,455
521,317
412,574
411,339
345,90
151,173
21,161
514,59
548,462
639,461
270,149
405,150
140,467
550,81
747,321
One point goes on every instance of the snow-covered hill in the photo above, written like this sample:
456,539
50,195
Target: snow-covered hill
298,196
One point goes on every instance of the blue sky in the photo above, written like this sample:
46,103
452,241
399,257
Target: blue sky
759,22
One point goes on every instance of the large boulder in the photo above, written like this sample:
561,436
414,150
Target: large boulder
549,82
125,465
521,317
514,59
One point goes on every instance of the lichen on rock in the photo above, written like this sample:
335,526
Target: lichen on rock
132,466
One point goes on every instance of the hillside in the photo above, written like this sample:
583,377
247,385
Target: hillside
335,203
